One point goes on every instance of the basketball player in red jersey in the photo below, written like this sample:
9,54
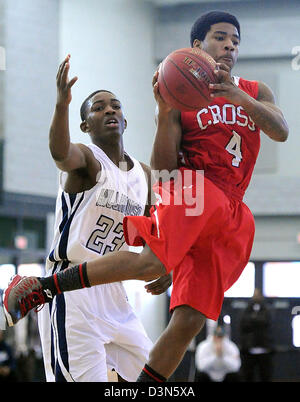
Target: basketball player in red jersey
206,251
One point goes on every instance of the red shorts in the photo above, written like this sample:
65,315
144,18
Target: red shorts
207,250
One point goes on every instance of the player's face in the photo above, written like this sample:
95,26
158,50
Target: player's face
105,115
222,43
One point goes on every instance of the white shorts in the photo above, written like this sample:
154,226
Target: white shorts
87,331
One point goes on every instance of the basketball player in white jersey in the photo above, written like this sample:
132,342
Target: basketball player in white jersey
85,332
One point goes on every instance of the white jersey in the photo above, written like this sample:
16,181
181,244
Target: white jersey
90,224
86,331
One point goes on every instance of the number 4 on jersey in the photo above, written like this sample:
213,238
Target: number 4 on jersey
234,148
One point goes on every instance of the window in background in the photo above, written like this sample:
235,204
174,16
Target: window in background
35,231
6,272
31,270
281,279
8,230
296,331
244,286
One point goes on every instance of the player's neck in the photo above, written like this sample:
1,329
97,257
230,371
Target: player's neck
116,153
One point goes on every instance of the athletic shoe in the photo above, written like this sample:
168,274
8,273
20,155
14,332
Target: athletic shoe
22,295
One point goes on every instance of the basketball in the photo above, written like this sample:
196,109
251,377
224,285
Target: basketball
184,77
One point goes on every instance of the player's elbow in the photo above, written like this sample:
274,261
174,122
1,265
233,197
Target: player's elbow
283,133
58,157
280,134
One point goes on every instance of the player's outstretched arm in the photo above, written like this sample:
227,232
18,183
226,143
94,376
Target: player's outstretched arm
66,155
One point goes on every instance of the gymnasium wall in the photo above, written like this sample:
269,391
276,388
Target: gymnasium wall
111,47
2,66
31,45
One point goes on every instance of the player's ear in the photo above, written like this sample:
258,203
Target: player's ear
197,43
84,127
125,124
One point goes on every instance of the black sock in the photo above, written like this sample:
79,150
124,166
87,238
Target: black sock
150,375
70,279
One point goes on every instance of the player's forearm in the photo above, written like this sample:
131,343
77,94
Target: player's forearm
166,144
163,152
59,136
268,118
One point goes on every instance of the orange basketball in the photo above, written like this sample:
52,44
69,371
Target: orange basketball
184,77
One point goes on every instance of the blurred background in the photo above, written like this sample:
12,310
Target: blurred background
117,45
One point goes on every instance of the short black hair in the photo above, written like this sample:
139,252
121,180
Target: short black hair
84,105
202,24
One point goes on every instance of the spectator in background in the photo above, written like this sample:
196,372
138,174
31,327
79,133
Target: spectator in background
217,359
256,341
7,361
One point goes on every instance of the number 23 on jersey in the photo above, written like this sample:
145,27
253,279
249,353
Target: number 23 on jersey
105,228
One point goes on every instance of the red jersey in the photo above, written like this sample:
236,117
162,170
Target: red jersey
222,140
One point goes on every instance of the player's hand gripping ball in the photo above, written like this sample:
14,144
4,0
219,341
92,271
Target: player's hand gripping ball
184,78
